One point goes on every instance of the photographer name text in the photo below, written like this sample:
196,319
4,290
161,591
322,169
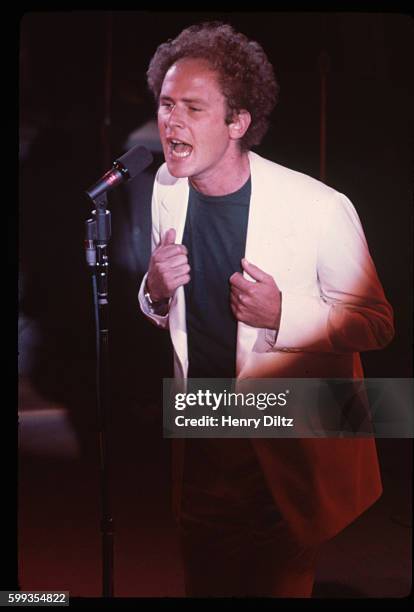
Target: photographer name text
229,421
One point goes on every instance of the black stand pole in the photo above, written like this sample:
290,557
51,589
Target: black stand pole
98,233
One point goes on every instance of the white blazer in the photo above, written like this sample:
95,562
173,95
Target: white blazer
309,238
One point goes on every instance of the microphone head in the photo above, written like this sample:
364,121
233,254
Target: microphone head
135,160
127,166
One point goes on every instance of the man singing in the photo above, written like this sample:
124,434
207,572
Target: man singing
257,271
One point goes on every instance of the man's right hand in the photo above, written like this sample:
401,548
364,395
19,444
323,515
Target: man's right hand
168,268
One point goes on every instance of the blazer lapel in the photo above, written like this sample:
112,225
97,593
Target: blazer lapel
173,214
264,248
174,209
246,335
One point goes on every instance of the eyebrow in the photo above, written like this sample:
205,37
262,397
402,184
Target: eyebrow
186,100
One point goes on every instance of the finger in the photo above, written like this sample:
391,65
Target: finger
171,274
236,294
237,280
165,261
171,250
234,302
169,237
257,273
181,279
174,273
234,306
237,312
178,261
237,303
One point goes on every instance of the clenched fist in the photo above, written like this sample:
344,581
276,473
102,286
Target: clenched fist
168,268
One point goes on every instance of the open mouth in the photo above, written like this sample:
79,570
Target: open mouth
179,149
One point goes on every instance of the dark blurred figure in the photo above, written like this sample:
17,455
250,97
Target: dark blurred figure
137,380
60,153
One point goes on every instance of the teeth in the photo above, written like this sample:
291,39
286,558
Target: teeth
180,149
183,154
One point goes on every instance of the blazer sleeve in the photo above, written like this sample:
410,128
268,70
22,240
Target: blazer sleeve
159,321
351,313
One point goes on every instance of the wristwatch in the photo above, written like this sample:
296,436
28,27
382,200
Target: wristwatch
153,306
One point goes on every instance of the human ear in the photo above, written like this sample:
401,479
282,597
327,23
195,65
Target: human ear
240,124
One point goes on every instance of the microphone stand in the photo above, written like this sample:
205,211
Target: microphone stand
98,233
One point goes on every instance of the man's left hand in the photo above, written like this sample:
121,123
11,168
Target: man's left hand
256,303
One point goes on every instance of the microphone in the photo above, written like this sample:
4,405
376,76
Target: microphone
124,168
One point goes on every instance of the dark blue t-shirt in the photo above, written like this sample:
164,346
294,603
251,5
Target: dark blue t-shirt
215,236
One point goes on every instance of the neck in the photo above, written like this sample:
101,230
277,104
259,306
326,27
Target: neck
231,178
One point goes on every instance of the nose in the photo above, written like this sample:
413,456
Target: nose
175,117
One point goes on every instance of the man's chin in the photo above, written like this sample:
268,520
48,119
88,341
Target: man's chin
177,172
